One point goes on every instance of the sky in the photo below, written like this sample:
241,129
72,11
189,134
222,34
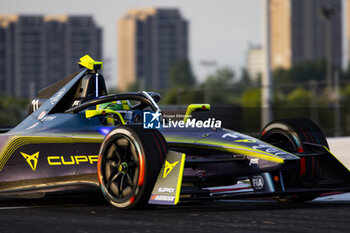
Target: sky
218,30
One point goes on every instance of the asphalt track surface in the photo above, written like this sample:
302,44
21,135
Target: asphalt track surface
90,213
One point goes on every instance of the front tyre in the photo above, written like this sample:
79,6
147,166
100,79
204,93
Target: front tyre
290,135
129,164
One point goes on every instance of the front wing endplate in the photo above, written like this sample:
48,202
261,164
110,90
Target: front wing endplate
167,189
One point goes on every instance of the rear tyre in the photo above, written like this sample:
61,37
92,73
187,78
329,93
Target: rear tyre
289,135
129,164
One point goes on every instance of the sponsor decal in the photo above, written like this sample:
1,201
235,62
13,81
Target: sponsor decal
231,135
268,149
168,168
152,120
157,197
56,97
32,126
76,103
49,118
35,104
263,147
166,190
73,160
32,160
253,161
258,182
41,116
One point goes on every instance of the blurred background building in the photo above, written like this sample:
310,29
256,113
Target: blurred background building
36,50
306,54
149,41
299,32
255,61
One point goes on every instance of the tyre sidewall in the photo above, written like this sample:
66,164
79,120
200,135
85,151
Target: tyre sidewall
143,145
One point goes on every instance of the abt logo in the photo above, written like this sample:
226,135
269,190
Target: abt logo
151,120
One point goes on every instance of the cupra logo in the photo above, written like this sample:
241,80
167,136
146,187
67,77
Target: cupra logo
168,168
32,160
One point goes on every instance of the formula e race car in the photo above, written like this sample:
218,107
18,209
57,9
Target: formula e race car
77,136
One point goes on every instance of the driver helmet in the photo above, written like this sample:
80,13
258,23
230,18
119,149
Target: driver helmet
123,107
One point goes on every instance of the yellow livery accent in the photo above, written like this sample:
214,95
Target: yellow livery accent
90,63
53,163
76,159
32,160
337,159
166,190
18,141
179,180
168,167
230,148
246,140
195,107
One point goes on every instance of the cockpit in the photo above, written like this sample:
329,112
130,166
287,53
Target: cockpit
86,92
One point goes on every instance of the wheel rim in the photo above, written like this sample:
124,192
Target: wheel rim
121,169
281,140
